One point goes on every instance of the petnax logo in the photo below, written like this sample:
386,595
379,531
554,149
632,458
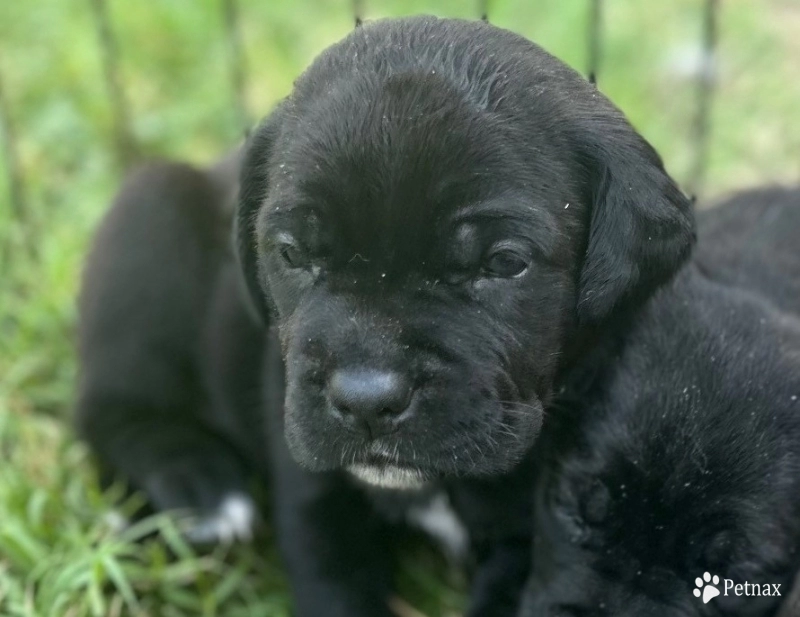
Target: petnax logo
708,586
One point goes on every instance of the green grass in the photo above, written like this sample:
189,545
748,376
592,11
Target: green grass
60,554
64,555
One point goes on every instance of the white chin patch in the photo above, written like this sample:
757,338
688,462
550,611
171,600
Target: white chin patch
388,476
234,519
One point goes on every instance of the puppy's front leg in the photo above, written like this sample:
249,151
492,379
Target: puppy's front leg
336,549
500,578
179,464
498,513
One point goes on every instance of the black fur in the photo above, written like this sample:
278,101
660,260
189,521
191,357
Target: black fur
682,456
438,204
406,155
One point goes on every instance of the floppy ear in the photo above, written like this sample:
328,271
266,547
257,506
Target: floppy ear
253,187
641,227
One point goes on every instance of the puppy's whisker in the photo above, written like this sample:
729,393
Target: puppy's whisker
519,408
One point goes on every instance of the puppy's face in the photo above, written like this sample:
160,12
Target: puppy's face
421,224
424,277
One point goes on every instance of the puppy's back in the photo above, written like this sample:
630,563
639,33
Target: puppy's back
751,241
148,275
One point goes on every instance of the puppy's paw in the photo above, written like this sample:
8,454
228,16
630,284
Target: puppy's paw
212,492
235,519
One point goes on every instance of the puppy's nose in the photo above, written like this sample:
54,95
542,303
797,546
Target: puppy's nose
370,399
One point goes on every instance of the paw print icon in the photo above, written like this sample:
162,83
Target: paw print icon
706,587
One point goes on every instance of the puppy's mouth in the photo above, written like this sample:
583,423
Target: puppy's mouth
379,467
388,476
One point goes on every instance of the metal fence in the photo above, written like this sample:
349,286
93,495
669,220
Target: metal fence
127,149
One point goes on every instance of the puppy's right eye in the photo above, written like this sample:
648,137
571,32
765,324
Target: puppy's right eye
505,264
294,256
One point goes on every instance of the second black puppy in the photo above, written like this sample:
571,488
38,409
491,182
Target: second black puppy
674,490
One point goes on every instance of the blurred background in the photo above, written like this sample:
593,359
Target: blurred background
90,87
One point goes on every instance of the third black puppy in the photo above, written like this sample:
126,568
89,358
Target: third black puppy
674,488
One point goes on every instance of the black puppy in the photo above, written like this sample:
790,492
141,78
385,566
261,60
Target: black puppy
439,220
170,356
682,456
439,215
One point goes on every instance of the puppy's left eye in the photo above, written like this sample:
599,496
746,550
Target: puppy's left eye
505,264
293,256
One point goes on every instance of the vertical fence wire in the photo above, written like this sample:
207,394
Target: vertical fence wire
483,10
236,62
706,78
125,145
358,12
594,37
12,157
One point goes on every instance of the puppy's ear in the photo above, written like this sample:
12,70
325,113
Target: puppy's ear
641,227
253,187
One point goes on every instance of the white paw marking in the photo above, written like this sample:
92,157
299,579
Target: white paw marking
234,519
388,476
116,521
707,587
438,519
